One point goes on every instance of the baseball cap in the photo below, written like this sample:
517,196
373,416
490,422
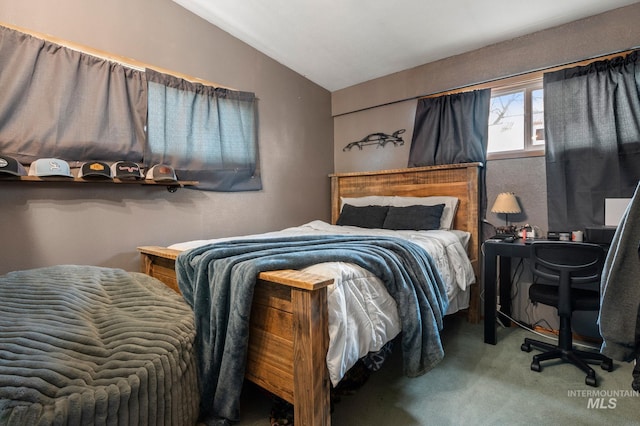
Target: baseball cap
50,167
126,170
11,166
161,173
95,170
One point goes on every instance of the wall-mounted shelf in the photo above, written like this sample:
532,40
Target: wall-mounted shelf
171,186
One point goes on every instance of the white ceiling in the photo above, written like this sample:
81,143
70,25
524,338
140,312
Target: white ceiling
339,43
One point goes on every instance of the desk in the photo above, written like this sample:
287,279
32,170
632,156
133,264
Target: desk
498,254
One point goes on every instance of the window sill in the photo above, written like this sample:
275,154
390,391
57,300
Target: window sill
514,154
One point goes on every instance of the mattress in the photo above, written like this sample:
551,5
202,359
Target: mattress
363,317
90,345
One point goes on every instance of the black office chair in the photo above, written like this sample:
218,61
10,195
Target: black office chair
570,280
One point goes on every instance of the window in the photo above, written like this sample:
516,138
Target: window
516,121
79,107
207,134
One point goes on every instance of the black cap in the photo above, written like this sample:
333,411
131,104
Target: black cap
126,170
95,169
11,166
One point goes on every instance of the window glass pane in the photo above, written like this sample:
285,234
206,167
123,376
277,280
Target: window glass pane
537,118
506,122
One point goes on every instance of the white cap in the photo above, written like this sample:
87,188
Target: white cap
50,167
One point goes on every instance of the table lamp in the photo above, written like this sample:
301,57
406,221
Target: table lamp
506,203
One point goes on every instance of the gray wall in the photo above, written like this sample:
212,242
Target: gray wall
523,176
388,104
44,224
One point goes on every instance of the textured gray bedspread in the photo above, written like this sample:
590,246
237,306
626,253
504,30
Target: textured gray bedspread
217,280
88,345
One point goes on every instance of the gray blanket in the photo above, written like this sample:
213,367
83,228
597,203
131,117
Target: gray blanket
620,287
218,280
87,345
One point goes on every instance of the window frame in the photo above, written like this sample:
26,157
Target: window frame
530,150
527,77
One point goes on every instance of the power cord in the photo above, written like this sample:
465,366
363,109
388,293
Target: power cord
519,271
531,330
515,279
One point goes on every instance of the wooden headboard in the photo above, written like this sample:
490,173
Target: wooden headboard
458,180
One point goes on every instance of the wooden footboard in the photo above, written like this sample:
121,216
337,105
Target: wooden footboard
288,338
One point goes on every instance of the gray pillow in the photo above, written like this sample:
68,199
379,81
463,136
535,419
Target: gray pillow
415,218
363,217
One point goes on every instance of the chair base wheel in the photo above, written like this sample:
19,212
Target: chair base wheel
578,358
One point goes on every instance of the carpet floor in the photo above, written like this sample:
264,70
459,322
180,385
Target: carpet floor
478,384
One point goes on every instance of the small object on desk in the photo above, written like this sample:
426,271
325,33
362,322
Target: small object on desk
599,234
503,235
558,236
509,239
527,232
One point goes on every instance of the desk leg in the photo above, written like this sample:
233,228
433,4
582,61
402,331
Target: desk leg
505,290
490,284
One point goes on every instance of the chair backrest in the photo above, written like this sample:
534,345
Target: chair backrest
582,261
567,264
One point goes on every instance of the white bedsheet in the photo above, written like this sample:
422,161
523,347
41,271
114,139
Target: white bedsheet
362,314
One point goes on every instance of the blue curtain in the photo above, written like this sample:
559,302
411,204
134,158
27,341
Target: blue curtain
205,133
592,133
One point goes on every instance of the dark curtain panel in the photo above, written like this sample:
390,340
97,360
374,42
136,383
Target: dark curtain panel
453,129
57,102
207,134
592,131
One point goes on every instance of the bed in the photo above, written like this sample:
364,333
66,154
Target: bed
288,336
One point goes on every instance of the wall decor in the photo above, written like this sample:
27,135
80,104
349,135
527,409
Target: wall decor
379,139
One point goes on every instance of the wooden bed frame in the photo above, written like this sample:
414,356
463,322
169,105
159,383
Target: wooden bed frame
289,320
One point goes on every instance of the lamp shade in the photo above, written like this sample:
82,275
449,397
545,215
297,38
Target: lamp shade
506,202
